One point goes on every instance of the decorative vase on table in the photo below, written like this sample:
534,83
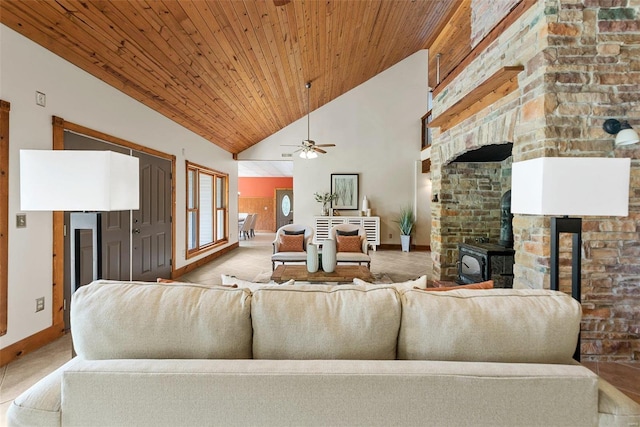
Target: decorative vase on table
312,258
329,255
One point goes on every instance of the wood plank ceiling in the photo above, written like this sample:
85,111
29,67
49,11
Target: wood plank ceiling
233,72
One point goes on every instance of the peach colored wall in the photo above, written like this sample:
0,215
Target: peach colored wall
257,195
262,187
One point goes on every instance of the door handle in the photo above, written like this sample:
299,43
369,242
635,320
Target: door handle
135,231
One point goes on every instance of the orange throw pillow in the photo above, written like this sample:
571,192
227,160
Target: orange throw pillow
291,243
348,244
482,285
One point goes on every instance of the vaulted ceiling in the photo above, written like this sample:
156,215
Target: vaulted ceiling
233,72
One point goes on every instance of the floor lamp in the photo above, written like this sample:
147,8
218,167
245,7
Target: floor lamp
564,186
79,180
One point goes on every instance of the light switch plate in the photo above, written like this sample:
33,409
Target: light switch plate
21,220
41,99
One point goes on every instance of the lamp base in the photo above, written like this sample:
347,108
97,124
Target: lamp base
573,226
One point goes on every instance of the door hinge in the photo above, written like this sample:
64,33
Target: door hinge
64,304
64,230
171,262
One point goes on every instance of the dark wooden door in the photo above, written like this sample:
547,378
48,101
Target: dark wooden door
136,245
116,245
284,207
116,226
151,226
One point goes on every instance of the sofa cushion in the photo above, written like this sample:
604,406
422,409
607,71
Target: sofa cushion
348,244
291,243
352,257
499,325
347,233
325,322
294,232
138,320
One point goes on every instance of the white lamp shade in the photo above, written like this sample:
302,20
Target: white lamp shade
579,186
627,137
78,180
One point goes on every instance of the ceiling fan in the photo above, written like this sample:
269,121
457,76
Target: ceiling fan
309,149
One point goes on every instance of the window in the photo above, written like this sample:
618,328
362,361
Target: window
207,215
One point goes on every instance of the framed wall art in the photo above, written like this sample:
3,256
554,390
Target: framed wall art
345,185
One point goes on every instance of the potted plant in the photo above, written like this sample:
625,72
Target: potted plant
405,221
325,199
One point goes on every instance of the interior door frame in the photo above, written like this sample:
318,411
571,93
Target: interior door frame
59,127
5,107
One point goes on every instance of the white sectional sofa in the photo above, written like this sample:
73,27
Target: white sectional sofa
188,355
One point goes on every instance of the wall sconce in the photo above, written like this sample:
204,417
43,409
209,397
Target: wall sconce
625,135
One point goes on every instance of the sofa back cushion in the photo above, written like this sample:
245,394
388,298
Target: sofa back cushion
137,320
325,322
499,325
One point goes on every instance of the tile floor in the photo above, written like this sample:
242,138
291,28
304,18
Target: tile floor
250,261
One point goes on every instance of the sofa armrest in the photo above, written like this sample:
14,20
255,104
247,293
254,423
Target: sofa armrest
40,404
616,408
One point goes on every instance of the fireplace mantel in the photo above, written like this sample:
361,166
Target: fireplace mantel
499,85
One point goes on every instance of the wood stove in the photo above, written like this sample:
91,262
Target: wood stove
479,262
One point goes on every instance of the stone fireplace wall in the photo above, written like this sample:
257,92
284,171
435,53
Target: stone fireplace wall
581,66
470,195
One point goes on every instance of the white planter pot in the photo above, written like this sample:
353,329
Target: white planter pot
404,241
329,255
312,258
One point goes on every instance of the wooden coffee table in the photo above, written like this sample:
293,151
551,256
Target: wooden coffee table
342,273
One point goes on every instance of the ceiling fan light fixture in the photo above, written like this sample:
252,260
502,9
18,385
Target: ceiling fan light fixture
308,154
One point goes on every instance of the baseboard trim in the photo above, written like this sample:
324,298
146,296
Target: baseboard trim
391,246
202,261
31,343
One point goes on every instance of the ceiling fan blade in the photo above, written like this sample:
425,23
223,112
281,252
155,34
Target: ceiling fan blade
289,145
319,150
325,145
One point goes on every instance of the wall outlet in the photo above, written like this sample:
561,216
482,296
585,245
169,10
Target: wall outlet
390,235
39,304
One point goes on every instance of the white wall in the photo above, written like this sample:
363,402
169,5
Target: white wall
376,128
74,95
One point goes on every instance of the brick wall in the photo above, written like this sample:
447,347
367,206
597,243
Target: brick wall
582,66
